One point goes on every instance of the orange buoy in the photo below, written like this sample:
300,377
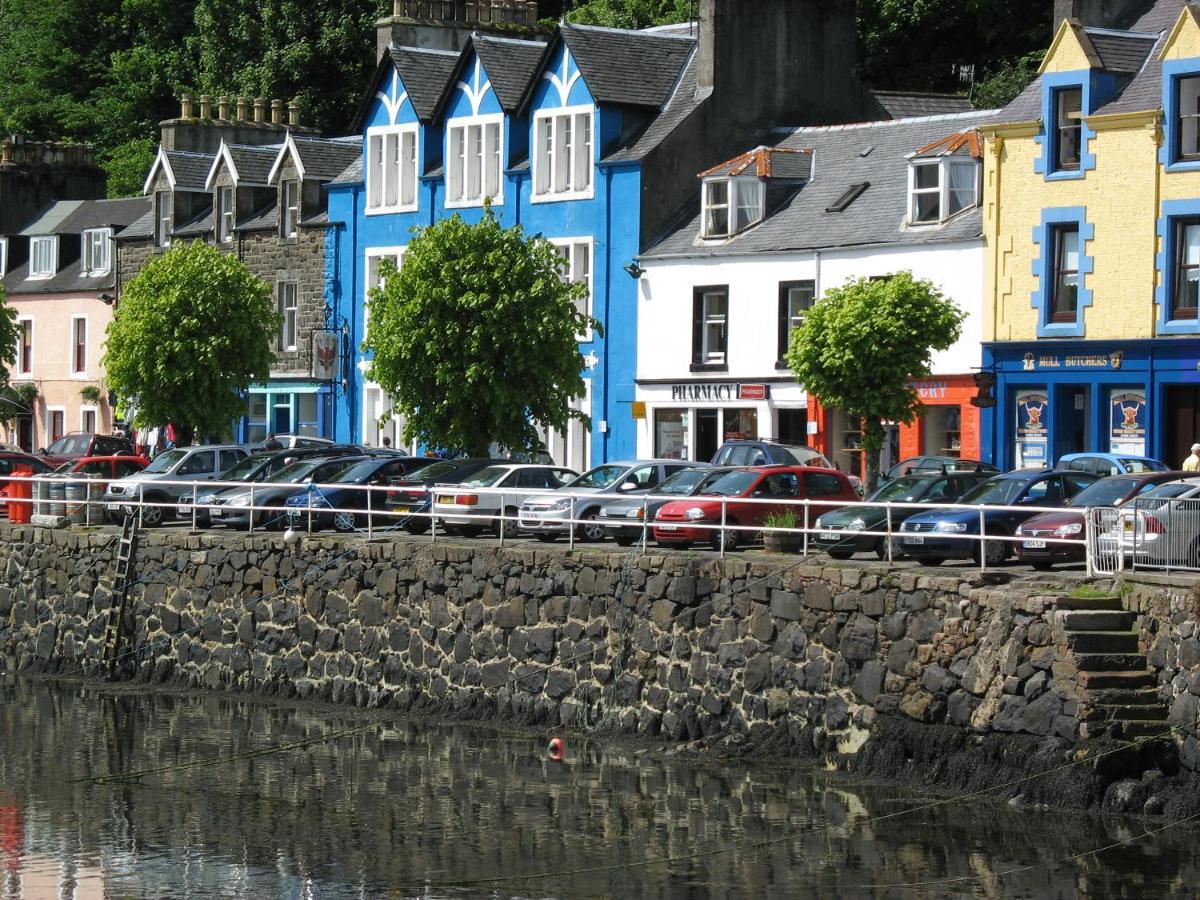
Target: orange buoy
555,750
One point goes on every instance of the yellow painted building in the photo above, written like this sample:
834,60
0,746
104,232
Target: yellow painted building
1092,234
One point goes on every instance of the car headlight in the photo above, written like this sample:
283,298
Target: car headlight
635,513
239,500
695,514
1068,530
205,499
951,527
857,525
561,504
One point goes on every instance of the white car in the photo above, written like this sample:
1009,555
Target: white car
476,504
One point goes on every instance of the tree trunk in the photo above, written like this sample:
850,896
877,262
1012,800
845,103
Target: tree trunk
872,444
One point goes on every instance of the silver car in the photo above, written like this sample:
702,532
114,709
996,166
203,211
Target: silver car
1161,528
459,507
548,516
183,465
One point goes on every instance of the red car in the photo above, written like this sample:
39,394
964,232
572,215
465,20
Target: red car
1037,547
83,444
105,468
676,523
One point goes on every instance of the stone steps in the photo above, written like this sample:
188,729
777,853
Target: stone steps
1134,730
1087,642
1110,662
1092,604
1098,681
1122,713
1097,620
1141,696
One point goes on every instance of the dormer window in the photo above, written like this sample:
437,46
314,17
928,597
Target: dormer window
1068,122
162,218
473,161
225,214
391,169
97,251
290,223
942,188
731,205
43,257
1187,132
563,154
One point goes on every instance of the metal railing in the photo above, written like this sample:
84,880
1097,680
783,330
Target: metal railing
1150,533
978,533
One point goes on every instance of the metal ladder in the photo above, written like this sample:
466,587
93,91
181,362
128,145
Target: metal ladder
122,581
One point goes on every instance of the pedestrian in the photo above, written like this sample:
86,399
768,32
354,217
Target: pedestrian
270,443
387,443
1192,463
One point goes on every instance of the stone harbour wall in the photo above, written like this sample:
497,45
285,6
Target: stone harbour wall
873,670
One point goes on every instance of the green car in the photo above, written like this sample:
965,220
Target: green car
926,489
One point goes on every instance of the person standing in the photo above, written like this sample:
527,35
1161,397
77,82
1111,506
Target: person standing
387,443
1192,463
271,443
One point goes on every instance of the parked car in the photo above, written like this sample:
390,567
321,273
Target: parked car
933,537
547,517
697,519
1161,528
259,466
926,487
345,495
242,507
470,513
410,497
624,518
775,453
102,468
203,462
79,444
916,465
293,442
1038,548
1105,464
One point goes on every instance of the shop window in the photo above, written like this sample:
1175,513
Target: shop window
796,298
1187,119
942,430
742,425
1065,302
671,434
307,422
1184,302
710,334
256,418
1068,131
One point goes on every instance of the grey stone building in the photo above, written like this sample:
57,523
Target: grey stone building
255,188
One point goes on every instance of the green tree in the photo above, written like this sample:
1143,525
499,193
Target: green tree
8,338
192,332
862,345
632,13
476,337
1001,87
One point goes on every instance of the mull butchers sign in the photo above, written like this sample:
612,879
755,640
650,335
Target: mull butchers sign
1129,420
718,393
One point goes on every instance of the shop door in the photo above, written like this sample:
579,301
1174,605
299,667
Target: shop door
283,414
793,426
708,434
1183,423
1071,435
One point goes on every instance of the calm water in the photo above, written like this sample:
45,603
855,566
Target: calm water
396,809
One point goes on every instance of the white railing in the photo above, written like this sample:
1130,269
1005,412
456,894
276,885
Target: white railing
1159,534
723,522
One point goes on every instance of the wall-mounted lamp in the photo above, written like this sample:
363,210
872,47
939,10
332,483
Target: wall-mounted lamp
107,299
634,270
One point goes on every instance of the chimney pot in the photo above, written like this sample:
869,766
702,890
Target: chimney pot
185,107
260,109
205,106
294,112
223,108
276,112
243,109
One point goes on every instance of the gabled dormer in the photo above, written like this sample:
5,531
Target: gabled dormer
944,178
737,194
1083,69
563,131
177,185
299,173
239,183
1180,59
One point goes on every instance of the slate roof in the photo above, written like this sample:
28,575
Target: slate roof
681,104
326,158
190,169
511,66
424,73
141,229
264,219
1121,52
253,164
903,105
115,214
876,217
200,226
67,280
352,174
628,68
52,219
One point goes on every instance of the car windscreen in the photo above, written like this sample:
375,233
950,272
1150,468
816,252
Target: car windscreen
243,469
71,445
487,477
291,473
1137,465
599,477
1169,491
433,471
683,482
732,484
1108,492
902,489
165,461
356,472
1000,492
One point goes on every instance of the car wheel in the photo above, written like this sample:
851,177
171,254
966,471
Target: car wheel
509,524
152,516
344,522
725,540
840,554
591,530
994,552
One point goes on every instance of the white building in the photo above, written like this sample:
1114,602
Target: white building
774,229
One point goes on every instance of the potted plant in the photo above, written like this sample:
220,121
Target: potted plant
90,394
27,394
781,541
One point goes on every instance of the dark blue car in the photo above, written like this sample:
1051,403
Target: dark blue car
940,534
345,503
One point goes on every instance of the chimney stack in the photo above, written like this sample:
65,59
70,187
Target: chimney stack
223,108
294,111
205,106
1095,13
260,109
185,107
276,112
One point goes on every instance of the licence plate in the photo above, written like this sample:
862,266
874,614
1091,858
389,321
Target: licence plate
914,540
668,527
1034,545
1129,526
827,536
217,513
403,509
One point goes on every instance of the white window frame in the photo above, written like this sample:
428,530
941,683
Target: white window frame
943,189
93,238
289,326
51,242
20,370
709,356
49,433
581,154
75,371
571,249
370,268
163,218
83,411
736,186
389,181
458,166
290,222
226,207
3,257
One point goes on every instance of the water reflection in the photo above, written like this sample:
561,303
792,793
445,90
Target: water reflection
388,810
